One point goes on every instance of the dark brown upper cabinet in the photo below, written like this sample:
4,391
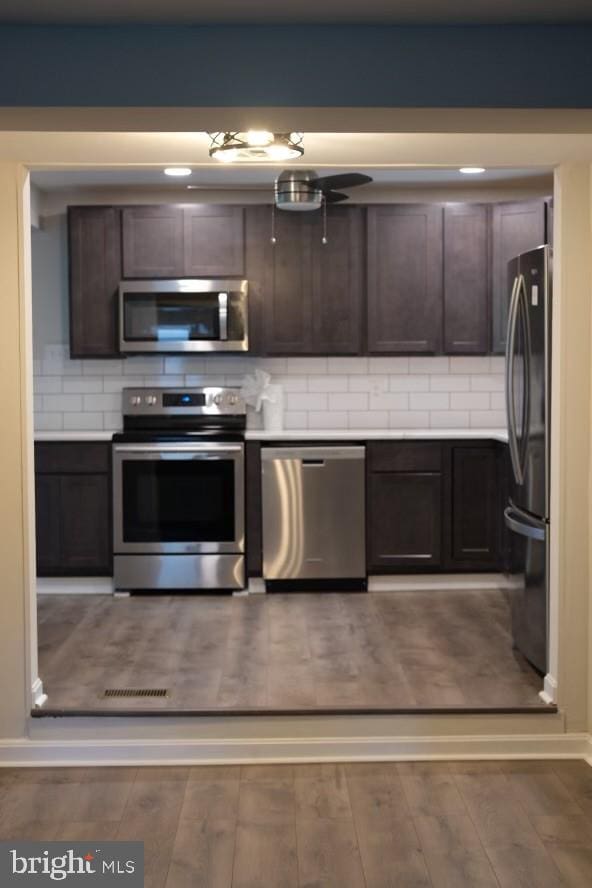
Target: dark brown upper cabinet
94,235
516,228
405,279
170,241
466,279
153,242
305,297
214,241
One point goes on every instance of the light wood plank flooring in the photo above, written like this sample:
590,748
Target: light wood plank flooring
377,825
298,652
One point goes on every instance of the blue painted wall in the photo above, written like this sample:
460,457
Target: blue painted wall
308,65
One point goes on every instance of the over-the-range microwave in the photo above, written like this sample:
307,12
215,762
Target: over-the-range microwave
183,315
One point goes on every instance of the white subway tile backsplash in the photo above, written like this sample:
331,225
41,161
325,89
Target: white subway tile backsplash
428,365
102,368
389,401
82,385
388,365
327,383
449,419
497,364
488,419
368,419
349,401
296,419
118,383
429,401
409,419
352,366
373,385
95,403
62,403
478,364
487,383
301,366
321,419
306,401
348,392
409,383
83,422
450,383
48,385
49,422
469,401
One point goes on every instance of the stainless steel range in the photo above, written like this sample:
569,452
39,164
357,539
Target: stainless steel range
178,490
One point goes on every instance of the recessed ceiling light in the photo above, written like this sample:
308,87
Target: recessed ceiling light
177,171
472,171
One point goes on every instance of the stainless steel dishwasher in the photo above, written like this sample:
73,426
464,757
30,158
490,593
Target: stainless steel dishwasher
314,514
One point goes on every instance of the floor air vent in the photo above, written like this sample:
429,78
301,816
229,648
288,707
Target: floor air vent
136,692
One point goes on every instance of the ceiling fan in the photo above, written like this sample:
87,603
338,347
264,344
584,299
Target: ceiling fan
303,190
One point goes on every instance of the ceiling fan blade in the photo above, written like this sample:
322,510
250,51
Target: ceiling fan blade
334,196
341,180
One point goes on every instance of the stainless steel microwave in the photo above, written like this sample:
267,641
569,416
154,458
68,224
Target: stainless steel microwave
184,315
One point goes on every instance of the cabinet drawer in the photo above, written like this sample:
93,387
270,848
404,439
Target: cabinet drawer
72,457
404,456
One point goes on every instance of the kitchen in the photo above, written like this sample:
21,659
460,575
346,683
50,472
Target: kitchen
415,384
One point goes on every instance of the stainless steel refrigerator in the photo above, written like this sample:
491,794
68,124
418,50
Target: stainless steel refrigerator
528,401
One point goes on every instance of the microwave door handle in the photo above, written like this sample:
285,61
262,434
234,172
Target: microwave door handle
223,315
510,399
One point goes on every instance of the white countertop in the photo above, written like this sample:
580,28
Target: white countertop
318,435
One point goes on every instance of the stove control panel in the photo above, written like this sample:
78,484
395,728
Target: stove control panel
210,400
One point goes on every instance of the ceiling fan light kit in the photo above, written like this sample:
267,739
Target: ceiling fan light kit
255,146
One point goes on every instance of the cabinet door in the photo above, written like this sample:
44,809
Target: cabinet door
405,279
47,511
337,282
466,279
85,524
404,529
94,235
516,228
153,242
214,241
476,510
285,282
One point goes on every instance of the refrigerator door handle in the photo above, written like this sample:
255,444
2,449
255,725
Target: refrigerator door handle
510,400
516,523
522,306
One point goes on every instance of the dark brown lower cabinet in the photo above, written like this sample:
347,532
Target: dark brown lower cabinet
73,509
473,534
404,529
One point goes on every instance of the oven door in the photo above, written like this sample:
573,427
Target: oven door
178,498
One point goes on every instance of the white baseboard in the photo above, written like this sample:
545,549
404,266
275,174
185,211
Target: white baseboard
549,692
474,582
37,695
138,752
74,586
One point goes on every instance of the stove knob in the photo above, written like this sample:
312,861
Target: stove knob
150,400
135,400
218,400
233,400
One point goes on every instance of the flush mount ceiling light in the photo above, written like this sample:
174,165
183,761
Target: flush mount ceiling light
177,171
255,145
472,171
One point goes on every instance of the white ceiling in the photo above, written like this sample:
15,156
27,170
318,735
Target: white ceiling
293,11
262,176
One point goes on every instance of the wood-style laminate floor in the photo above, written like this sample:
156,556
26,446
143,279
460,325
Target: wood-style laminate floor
380,825
284,652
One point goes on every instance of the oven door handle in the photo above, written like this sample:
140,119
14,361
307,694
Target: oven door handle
205,449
